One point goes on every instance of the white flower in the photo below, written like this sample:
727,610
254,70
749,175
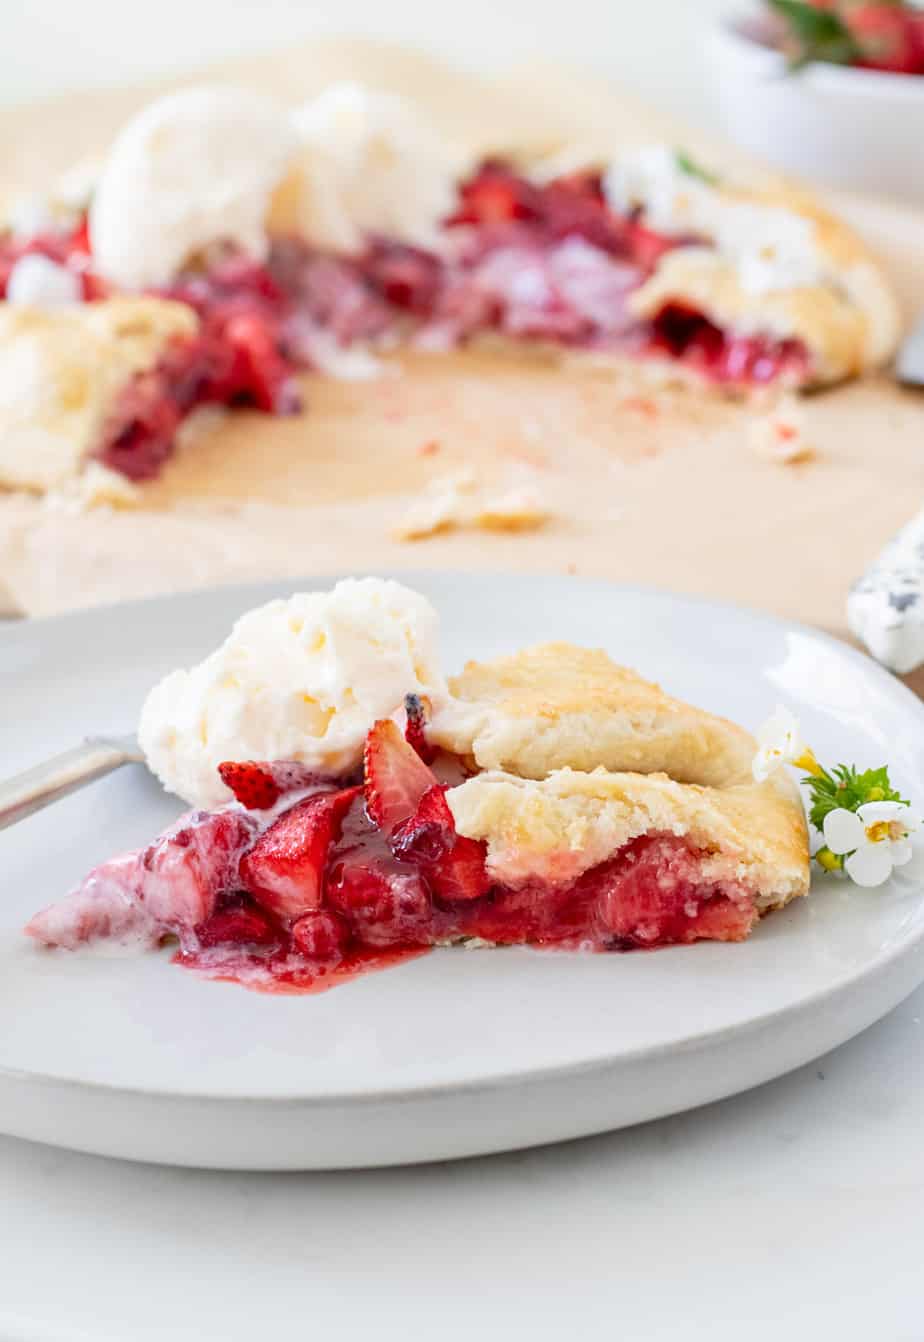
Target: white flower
780,742
875,836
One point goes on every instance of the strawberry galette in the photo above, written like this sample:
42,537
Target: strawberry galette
550,798
325,238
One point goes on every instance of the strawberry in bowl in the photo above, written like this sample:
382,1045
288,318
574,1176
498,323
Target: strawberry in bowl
827,89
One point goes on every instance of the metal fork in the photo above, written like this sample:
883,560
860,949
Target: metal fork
56,777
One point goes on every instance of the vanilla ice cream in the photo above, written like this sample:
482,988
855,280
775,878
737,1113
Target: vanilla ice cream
193,168
773,247
299,679
368,164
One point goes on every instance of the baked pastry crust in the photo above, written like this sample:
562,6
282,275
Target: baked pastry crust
556,706
579,756
62,371
557,828
848,325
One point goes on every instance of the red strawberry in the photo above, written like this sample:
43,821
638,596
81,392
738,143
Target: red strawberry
496,195
284,869
396,776
78,243
240,923
252,784
105,904
142,428
887,36
183,873
645,246
406,277
319,935
455,866
385,905
258,785
417,710
263,375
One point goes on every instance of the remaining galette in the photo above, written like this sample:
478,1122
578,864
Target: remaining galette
320,239
551,798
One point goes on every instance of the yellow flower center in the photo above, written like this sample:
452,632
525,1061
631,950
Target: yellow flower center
882,830
808,762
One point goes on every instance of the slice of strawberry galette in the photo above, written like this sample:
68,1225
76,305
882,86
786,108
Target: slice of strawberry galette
551,798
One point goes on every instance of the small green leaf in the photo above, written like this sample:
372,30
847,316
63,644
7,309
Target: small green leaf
817,34
843,787
693,169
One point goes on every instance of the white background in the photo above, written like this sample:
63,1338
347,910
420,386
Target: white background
654,46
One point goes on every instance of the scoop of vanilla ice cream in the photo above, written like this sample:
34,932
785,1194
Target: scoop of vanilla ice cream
368,164
773,247
192,168
299,679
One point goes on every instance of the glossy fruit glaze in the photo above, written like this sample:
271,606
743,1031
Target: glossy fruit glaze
549,263
335,880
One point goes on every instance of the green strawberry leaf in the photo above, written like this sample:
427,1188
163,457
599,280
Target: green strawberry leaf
817,34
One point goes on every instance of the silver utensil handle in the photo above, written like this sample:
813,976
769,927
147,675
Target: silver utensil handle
56,777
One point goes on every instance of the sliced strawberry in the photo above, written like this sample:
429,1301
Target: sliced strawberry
455,866
284,869
253,784
104,906
384,904
645,246
497,195
405,276
264,375
429,833
396,776
319,935
183,873
259,785
142,429
417,710
240,923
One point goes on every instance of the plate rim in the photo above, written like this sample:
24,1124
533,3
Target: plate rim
549,1073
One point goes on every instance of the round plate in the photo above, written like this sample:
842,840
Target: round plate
458,1052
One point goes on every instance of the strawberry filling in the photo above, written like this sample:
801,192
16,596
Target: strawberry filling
550,263
336,879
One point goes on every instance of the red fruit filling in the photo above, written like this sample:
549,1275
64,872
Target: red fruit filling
691,339
345,879
285,867
258,785
545,262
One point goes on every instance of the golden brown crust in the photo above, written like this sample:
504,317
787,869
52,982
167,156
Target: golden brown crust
848,324
556,706
61,370
579,756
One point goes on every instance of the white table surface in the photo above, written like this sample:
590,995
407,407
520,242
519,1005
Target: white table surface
792,1211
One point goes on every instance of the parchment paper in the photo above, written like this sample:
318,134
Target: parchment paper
656,488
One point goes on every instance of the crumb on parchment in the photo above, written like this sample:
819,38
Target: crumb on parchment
464,501
778,434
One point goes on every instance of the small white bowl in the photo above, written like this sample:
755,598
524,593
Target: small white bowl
857,129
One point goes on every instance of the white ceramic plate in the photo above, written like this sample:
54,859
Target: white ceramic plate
459,1052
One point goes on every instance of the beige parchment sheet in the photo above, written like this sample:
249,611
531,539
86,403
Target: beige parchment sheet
655,487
